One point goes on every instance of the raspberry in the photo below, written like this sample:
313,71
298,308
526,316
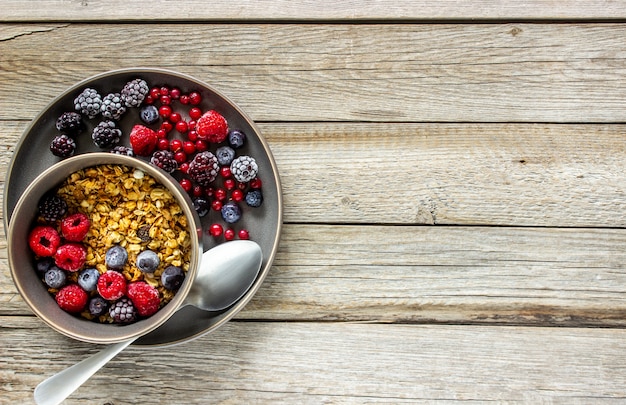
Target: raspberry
70,123
106,134
134,92
212,126
44,240
62,146
164,159
244,169
123,311
72,298
145,298
71,256
52,207
111,285
143,140
74,228
203,168
112,106
88,103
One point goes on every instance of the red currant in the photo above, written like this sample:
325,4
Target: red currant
155,93
175,117
216,205
161,133
201,145
198,191
165,100
149,100
181,126
167,126
186,184
192,135
209,191
195,98
216,230
195,113
225,172
229,184
180,157
241,186
189,147
237,195
164,91
244,234
163,144
191,124
176,145
175,93
184,167
220,194
184,99
229,234
165,111
256,183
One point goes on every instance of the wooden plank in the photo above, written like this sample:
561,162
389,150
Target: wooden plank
456,275
308,10
355,72
452,174
312,363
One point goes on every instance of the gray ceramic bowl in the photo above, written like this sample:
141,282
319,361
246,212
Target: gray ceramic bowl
33,290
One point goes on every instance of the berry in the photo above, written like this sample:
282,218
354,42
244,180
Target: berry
254,198
189,147
202,206
123,311
52,207
195,98
229,184
98,306
122,150
143,140
217,205
111,285
165,111
244,234
236,139
176,145
106,134
70,123
74,228
147,261
164,159
216,230
225,155
237,195
186,184
212,126
244,168
256,183
62,146
44,240
165,100
172,277
88,103
175,93
229,234
182,127
44,264
145,298
203,168
134,92
220,194
231,212
72,298
149,114
55,277
164,91
155,93
195,113
116,257
88,279
112,106
175,117
180,156
71,256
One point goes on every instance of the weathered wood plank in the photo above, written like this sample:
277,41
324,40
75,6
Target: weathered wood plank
355,72
308,10
333,363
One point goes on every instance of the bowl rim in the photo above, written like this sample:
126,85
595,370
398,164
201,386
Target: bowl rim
71,165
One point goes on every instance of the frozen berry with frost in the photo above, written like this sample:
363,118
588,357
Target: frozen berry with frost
122,150
236,138
123,311
244,168
143,140
52,207
98,306
172,277
116,257
149,114
70,123
75,227
55,277
112,106
111,285
254,198
72,298
147,261
70,256
203,168
212,126
88,279
44,240
144,297
225,155
88,103
62,146
134,92
231,212
106,134
164,159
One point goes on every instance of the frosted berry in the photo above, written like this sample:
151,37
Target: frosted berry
172,277
70,123
122,150
44,240
149,114
231,212
244,168
254,198
111,285
70,256
212,126
123,311
144,297
106,134
236,139
72,298
55,277
62,146
88,103
112,106
203,168
225,155
88,279
116,257
52,207
134,92
75,227
98,306
147,261
164,159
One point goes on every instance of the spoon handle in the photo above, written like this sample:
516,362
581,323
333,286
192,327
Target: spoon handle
55,389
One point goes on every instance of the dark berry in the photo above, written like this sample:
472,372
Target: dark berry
122,150
225,155
116,257
62,146
147,261
236,139
52,207
88,103
70,123
172,277
98,306
88,279
44,240
134,92
203,168
123,311
55,277
43,265
149,114
164,159
202,206
231,212
106,134
254,198
112,106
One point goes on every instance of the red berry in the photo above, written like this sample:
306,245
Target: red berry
164,91
186,184
175,93
184,99
220,194
209,191
201,145
176,145
111,285
216,205
212,126
225,172
165,111
163,144
256,183
184,167
165,100
44,240
161,133
192,135
175,117
143,140
216,230
195,113
198,191
145,298
74,227
149,100
180,157
155,93
244,234
189,147
237,195
241,186
191,124
181,126
167,126
72,298
71,256
229,184
229,234
195,98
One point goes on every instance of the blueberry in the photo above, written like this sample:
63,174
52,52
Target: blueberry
149,114
98,306
88,279
254,198
44,265
172,277
236,138
147,261
225,155
116,257
231,212
202,206
55,277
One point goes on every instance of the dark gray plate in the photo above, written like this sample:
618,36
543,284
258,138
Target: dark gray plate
32,156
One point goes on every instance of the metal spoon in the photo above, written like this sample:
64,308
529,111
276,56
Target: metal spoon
226,273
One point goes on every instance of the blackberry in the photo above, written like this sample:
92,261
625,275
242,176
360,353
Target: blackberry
164,159
203,168
88,103
106,134
123,311
254,198
112,106
62,146
244,169
70,123
52,207
225,155
122,150
134,92
149,114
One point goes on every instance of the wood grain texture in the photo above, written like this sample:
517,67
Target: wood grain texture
309,10
356,72
334,363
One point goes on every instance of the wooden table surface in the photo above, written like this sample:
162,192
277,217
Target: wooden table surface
455,197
